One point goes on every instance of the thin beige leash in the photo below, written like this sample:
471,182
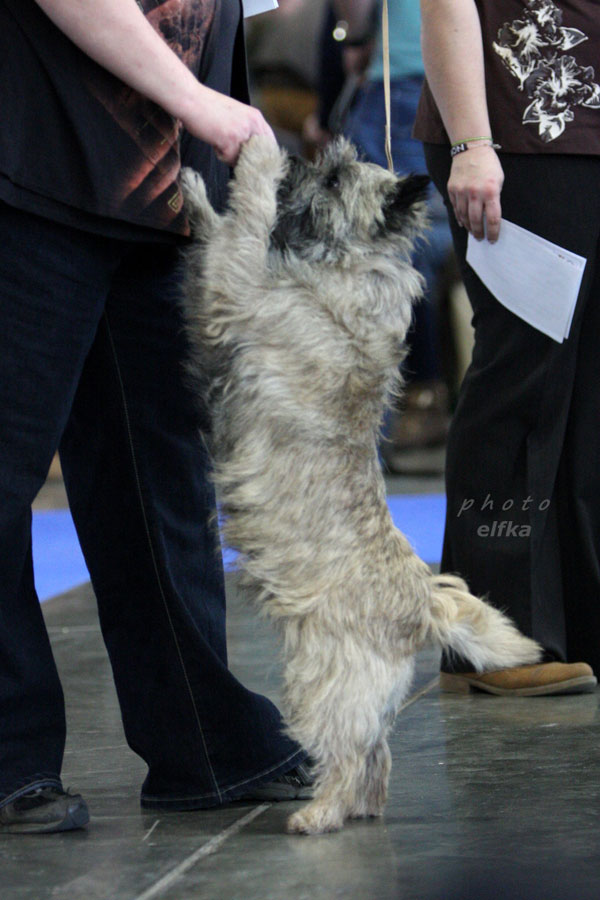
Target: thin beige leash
385,40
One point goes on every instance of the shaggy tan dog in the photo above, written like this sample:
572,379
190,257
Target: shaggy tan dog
298,302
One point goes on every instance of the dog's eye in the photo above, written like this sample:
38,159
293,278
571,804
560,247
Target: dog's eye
332,180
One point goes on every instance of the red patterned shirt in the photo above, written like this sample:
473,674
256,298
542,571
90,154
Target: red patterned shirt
78,145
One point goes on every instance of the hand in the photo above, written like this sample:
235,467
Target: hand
226,124
474,186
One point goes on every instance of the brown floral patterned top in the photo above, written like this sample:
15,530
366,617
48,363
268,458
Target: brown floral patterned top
542,62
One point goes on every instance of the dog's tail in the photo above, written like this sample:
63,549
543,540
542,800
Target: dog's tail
475,630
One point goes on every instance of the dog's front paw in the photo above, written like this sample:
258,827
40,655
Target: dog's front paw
260,156
197,205
192,185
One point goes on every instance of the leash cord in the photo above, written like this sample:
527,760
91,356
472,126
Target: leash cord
385,39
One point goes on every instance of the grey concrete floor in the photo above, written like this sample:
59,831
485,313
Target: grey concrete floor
489,798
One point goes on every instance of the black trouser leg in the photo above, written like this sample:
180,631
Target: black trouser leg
518,408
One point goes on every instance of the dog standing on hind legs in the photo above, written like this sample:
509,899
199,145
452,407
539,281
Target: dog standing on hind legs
298,299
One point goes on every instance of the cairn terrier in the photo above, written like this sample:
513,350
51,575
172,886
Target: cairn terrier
298,300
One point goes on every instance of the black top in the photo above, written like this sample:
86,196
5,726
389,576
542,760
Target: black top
80,147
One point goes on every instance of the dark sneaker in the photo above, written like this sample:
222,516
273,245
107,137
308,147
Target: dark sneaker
297,784
44,810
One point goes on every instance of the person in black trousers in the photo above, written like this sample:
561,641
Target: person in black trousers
523,519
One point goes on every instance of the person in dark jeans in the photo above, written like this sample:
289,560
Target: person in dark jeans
113,96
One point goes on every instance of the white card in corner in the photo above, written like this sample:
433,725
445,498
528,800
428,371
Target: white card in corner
532,277
255,7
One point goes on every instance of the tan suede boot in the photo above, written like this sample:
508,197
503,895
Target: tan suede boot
524,681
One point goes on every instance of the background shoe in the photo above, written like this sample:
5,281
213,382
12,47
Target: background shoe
297,784
524,681
44,810
421,421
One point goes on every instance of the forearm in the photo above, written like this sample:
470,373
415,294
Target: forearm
453,59
117,35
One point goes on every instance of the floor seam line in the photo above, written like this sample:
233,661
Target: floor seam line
205,850
424,690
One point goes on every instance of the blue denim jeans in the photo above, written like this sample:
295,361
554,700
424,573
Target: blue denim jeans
366,129
91,361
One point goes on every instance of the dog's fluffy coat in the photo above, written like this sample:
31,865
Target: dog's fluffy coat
298,300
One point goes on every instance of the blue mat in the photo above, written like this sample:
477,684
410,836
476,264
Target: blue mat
421,517
59,565
57,560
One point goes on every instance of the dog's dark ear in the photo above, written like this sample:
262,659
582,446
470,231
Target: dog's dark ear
287,226
412,189
408,191
296,171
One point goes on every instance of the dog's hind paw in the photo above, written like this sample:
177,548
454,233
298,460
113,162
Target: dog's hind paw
315,818
366,814
371,810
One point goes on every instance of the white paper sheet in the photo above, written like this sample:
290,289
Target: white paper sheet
532,277
254,7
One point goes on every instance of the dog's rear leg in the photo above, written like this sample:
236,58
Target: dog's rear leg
335,792
350,788
371,792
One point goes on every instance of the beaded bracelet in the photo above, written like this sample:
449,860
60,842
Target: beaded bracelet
461,146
